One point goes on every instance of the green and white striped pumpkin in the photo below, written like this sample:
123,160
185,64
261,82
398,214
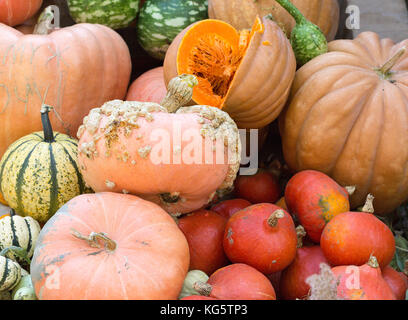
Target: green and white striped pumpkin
10,274
160,21
112,13
39,172
20,232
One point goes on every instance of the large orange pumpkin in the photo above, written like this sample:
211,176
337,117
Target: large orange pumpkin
109,246
245,73
14,12
348,118
177,157
240,14
73,69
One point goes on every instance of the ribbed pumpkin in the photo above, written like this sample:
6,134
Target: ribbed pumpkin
73,69
246,73
347,117
149,87
39,172
19,231
178,157
240,14
110,246
10,274
14,12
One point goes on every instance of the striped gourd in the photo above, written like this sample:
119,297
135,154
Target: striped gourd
24,289
10,273
160,21
112,13
19,232
39,172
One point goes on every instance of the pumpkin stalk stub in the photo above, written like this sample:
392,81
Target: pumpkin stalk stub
300,233
47,128
94,238
372,262
368,206
274,217
180,92
203,288
44,26
385,70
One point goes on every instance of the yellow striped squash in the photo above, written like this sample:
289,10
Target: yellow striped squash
10,273
39,172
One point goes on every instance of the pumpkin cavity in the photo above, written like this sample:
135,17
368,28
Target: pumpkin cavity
213,50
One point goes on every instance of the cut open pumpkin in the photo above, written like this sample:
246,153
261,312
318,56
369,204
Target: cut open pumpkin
247,73
212,51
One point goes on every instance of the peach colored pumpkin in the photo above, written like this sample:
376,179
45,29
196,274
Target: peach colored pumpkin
240,14
14,12
347,117
246,73
163,153
142,255
73,69
149,87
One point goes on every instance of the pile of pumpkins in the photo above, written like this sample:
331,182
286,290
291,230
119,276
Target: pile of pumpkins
172,229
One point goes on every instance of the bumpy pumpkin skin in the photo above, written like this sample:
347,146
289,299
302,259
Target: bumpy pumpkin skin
150,248
240,14
350,238
53,69
269,63
149,87
14,12
345,120
314,198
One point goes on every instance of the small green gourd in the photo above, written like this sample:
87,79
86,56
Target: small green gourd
192,277
24,289
307,40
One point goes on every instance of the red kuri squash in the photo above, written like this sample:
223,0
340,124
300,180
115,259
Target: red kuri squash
149,87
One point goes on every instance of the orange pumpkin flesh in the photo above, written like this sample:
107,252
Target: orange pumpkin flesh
145,255
233,65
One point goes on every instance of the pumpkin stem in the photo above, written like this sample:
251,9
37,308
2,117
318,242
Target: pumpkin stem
203,288
94,238
294,12
274,217
300,233
19,252
372,262
385,70
180,92
47,128
43,26
368,206
350,190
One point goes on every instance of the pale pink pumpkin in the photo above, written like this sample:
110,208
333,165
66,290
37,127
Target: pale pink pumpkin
149,87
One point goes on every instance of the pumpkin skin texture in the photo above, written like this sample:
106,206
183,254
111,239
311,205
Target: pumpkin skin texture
315,198
191,277
149,87
348,120
240,14
257,236
293,279
397,281
237,281
83,53
350,238
14,12
204,231
197,297
227,208
146,239
362,283
262,58
163,156
259,188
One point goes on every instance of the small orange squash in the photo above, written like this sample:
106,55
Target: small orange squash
149,87
347,118
109,246
246,73
14,12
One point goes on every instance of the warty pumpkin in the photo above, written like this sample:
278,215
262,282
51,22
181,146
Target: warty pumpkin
110,246
14,12
247,73
73,69
347,117
240,14
178,157
39,172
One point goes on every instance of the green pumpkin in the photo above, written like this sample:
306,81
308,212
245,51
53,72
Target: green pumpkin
24,289
19,231
192,277
112,13
10,274
39,172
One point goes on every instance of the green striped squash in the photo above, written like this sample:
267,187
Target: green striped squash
112,13
20,232
10,274
160,21
39,172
